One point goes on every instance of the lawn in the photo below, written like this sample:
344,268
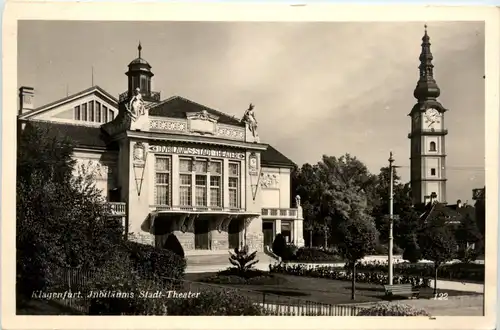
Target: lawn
316,290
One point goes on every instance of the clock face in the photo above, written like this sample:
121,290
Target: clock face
432,117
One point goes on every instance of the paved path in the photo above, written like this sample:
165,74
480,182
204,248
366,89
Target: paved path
459,286
453,306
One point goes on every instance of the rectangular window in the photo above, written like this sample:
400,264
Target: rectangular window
91,111
200,193
185,191
111,115
98,112
234,184
201,190
215,169
162,180
105,113
84,112
433,171
200,182
77,113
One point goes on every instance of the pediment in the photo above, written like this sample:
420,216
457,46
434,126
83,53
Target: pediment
202,122
63,110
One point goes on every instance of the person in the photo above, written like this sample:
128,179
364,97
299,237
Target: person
136,104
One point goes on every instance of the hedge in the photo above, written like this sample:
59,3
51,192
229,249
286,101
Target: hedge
159,262
213,303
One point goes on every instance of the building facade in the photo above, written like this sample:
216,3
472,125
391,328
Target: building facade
428,133
174,166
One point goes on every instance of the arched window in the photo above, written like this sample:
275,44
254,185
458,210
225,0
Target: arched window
432,146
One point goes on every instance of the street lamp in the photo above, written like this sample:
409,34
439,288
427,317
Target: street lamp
391,220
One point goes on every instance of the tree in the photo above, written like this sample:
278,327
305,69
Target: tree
468,233
359,237
61,219
480,210
436,242
323,187
405,225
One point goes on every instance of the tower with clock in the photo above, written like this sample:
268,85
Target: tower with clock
428,157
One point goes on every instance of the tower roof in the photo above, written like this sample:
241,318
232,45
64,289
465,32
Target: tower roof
427,88
139,64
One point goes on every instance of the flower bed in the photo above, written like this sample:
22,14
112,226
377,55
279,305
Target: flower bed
315,255
340,274
393,309
251,277
455,271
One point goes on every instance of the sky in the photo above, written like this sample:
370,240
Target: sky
318,87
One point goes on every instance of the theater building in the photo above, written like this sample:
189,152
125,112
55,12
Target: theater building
174,166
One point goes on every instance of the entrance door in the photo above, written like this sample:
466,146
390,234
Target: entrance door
286,230
268,230
233,231
201,235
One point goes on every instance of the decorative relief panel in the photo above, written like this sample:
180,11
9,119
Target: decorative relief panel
199,123
202,122
231,133
168,125
269,180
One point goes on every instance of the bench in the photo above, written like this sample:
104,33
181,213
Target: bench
401,290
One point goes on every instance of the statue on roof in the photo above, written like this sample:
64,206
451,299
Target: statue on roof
249,119
136,105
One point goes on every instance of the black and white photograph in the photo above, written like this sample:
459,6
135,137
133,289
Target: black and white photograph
251,168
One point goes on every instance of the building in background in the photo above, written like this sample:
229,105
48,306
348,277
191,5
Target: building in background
428,153
174,166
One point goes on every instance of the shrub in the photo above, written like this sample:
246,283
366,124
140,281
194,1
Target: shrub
412,253
214,302
173,244
119,287
467,255
393,309
159,262
279,245
316,255
242,260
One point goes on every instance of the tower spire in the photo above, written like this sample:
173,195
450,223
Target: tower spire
139,48
427,87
